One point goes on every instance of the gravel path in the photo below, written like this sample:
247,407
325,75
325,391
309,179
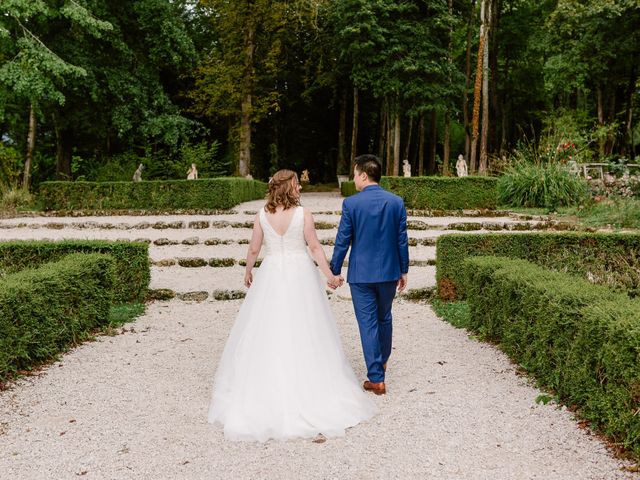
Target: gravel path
134,406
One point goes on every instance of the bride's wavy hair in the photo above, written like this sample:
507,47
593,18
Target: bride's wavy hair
282,191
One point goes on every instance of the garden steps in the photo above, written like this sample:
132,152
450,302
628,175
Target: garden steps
183,281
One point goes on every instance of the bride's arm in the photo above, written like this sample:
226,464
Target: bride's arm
253,251
315,248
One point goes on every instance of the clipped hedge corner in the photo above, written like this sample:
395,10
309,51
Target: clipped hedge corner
131,261
45,310
578,339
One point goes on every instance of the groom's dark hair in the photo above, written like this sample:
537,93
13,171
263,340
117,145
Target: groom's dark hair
369,164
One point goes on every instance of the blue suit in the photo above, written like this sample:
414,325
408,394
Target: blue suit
374,225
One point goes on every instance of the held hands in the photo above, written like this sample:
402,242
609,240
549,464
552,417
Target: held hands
335,281
248,278
402,282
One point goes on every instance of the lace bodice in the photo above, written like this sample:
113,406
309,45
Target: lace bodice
291,243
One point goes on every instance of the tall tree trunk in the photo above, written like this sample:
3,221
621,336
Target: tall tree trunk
390,138
244,163
396,144
407,144
484,139
629,150
342,167
600,106
421,146
433,166
447,140
467,82
447,118
64,151
31,145
383,130
354,128
477,89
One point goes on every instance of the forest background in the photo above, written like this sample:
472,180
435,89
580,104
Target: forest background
89,89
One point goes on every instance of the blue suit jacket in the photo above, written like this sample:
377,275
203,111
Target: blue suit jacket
374,224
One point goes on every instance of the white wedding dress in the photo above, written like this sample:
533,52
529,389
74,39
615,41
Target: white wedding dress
283,373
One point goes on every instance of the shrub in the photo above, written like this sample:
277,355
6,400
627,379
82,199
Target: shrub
348,188
580,340
131,261
215,193
444,193
46,309
438,193
611,259
548,186
13,198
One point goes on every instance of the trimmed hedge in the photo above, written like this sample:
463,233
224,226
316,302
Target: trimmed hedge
45,310
439,193
579,339
211,193
611,259
131,261
444,193
348,188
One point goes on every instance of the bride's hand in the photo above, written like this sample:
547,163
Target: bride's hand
248,279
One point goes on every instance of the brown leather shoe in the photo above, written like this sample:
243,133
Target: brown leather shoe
377,388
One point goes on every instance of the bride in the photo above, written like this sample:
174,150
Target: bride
283,373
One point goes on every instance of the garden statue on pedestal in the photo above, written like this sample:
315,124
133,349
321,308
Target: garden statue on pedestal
406,168
192,173
461,166
137,176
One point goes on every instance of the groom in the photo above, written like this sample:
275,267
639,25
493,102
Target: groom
374,225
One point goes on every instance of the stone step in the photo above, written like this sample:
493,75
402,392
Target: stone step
230,279
239,251
201,224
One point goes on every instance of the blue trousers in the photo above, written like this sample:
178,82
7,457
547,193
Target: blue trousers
372,305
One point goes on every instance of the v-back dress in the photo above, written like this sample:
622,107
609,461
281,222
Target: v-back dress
283,373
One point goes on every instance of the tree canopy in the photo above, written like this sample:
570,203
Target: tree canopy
90,88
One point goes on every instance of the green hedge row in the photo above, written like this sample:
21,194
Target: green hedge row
579,339
212,193
611,259
439,193
348,188
45,310
131,261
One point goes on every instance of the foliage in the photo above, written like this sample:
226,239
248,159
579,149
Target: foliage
617,212
348,188
124,313
45,310
456,313
583,344
14,198
443,193
11,164
216,193
549,185
610,186
603,258
130,259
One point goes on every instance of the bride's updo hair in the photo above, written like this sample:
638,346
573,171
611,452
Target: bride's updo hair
282,191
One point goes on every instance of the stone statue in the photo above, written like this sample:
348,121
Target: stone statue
192,173
137,176
304,178
461,166
406,168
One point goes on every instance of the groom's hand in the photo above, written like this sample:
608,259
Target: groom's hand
402,283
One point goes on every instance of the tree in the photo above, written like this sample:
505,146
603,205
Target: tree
32,71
